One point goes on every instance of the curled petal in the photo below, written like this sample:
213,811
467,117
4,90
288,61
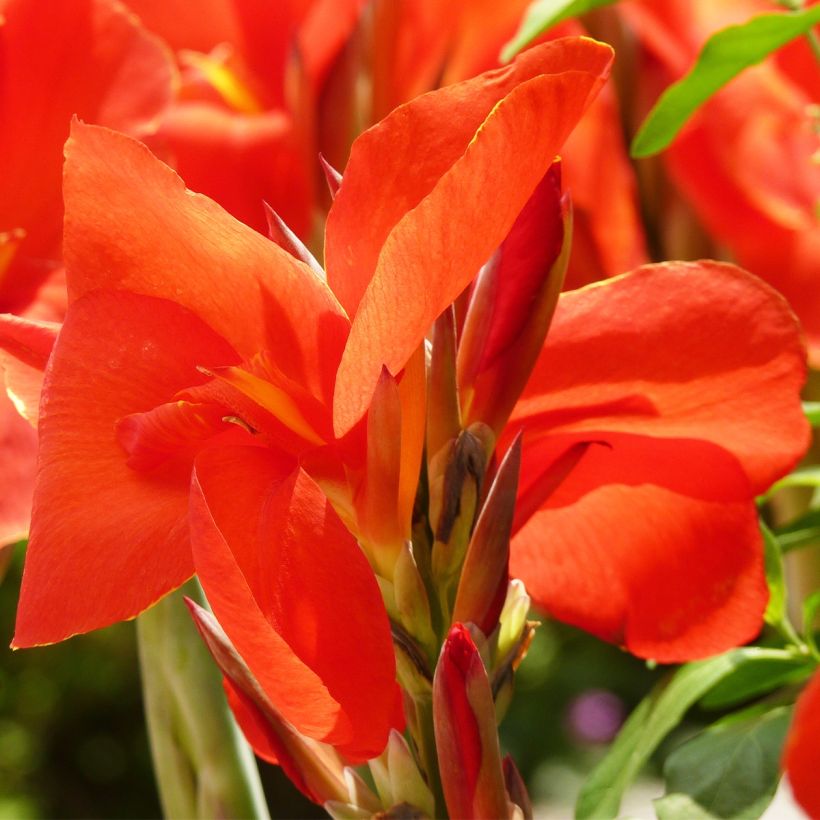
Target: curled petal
696,351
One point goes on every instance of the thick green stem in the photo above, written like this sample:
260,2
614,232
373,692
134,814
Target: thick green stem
204,768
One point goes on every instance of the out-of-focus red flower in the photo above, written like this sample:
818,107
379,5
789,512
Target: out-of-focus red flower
241,130
194,345
58,58
747,160
802,749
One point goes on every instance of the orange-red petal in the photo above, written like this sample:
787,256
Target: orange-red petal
697,350
295,595
669,576
60,58
18,455
418,177
131,224
108,541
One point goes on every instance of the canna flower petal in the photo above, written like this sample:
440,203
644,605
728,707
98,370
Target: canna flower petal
132,225
651,538
107,69
423,234
802,743
296,597
94,516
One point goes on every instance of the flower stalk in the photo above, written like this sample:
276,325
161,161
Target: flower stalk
203,766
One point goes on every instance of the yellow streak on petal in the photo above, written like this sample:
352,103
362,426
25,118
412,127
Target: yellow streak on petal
271,398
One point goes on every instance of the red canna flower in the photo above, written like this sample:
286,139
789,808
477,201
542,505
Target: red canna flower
241,130
802,744
194,346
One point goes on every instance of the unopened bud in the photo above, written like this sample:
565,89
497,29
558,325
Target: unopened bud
483,584
512,304
315,768
465,729
453,505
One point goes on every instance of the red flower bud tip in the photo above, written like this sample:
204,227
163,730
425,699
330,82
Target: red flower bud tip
516,788
483,584
332,176
466,735
285,238
511,306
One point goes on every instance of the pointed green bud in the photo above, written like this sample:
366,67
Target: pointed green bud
453,505
411,599
345,811
513,618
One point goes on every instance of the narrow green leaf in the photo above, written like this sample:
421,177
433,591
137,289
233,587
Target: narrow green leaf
722,58
803,531
758,678
811,606
812,411
804,477
544,14
649,724
729,771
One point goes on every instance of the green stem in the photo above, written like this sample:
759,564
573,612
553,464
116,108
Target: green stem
204,768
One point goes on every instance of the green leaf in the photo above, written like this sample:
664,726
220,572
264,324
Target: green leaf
803,531
544,14
776,609
812,411
729,771
649,724
757,678
811,606
804,477
722,58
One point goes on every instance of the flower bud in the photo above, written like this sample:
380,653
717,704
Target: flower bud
465,729
511,306
483,584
